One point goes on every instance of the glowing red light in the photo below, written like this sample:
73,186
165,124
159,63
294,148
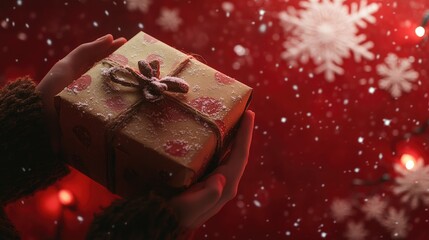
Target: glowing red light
66,197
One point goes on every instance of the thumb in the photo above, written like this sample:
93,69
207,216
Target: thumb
199,199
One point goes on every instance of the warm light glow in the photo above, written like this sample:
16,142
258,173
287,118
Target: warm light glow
66,197
420,31
408,161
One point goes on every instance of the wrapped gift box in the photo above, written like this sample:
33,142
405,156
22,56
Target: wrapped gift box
162,144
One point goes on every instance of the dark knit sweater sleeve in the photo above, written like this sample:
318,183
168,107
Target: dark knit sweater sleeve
27,162
146,217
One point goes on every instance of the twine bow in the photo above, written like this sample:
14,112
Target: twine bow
153,89
147,79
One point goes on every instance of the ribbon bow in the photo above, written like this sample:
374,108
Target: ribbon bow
147,79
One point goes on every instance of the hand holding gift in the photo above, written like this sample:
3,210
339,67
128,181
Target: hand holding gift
68,69
203,199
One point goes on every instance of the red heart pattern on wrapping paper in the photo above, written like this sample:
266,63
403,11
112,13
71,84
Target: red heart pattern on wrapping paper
177,148
80,84
223,79
119,58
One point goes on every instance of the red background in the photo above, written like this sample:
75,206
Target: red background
292,176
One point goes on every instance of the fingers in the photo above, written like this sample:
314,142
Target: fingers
241,147
76,63
85,55
234,166
200,198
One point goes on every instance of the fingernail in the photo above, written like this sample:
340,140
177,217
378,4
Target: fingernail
102,38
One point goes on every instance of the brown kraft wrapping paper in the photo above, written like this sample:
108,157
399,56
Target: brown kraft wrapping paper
162,146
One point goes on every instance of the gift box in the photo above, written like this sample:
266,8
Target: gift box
149,117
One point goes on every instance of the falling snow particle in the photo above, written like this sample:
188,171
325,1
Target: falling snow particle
80,218
95,24
386,121
283,120
360,139
240,50
49,42
257,203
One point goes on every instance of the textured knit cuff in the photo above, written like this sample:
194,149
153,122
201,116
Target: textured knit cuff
147,217
27,162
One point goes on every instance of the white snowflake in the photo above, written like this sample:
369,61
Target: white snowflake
169,20
396,223
413,184
374,207
355,231
326,32
142,5
341,209
397,75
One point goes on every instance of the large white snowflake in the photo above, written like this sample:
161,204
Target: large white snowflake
413,184
374,207
326,32
142,5
397,74
169,20
396,222
341,209
355,231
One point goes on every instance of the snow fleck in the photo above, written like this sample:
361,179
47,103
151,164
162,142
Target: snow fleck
355,231
341,209
262,28
80,218
95,24
283,120
371,90
140,25
323,235
240,50
141,5
360,139
169,20
19,2
396,74
412,184
257,203
326,32
386,121
49,42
